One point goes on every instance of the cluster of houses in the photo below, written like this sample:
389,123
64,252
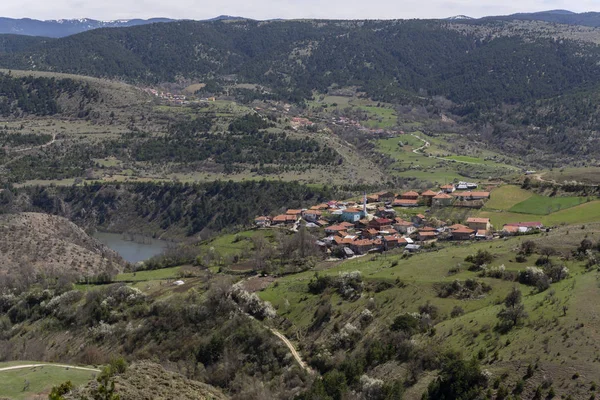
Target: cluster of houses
353,228
447,196
178,99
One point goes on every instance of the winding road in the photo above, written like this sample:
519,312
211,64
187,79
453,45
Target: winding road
281,337
13,367
40,146
292,349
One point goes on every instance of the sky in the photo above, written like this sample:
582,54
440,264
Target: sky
288,9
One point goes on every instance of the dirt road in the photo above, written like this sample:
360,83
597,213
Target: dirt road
47,365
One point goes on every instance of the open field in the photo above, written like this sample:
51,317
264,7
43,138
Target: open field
505,197
380,115
41,379
586,175
434,169
584,213
544,205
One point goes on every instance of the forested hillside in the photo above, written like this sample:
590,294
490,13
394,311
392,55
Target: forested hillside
39,96
387,59
183,209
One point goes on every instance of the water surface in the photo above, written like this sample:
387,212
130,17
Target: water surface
132,251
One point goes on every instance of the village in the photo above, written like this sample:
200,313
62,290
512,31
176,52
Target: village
355,228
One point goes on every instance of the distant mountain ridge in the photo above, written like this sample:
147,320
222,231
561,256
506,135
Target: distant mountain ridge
66,27
60,28
555,16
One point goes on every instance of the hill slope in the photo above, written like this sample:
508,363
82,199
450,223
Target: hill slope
144,380
387,59
51,245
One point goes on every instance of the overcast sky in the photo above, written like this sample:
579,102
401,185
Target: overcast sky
265,9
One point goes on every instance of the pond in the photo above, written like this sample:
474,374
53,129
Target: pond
133,251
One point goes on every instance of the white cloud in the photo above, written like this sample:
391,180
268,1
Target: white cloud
264,9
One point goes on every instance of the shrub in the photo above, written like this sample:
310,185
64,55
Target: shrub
480,258
429,309
407,323
457,311
458,379
470,288
319,283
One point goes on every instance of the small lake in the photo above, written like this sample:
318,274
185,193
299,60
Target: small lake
133,251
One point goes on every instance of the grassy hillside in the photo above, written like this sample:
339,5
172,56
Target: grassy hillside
556,341
41,380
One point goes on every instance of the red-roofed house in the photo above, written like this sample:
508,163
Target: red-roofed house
364,245
442,200
370,233
295,213
334,229
448,188
479,224
457,226
352,214
428,195
393,241
423,236
403,226
463,233
410,195
472,195
312,215
262,221
405,203
384,196
283,219
379,223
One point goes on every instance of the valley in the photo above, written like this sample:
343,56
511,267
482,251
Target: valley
240,209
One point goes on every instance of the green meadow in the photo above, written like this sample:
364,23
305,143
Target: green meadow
41,380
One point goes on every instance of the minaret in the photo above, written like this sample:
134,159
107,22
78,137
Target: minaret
364,204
